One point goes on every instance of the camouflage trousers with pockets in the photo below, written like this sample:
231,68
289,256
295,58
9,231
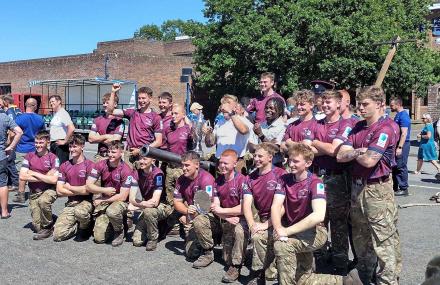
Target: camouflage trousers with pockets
109,218
147,225
263,257
375,235
40,205
75,215
200,234
234,240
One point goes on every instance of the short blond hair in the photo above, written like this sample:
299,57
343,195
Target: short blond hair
304,96
331,94
371,92
227,98
301,149
271,148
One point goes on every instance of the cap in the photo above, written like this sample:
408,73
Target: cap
196,105
319,86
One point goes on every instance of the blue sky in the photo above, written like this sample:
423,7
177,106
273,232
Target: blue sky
46,28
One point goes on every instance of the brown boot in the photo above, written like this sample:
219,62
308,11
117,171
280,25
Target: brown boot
151,245
232,274
119,239
204,260
43,234
19,198
352,278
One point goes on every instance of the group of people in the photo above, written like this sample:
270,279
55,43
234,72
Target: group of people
285,181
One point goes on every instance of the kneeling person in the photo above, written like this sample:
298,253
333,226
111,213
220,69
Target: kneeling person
76,216
297,213
202,226
40,170
111,207
227,206
145,194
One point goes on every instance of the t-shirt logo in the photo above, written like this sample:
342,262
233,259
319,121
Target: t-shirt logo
302,193
159,180
320,190
272,185
346,132
382,140
94,171
82,173
117,177
47,163
234,192
208,189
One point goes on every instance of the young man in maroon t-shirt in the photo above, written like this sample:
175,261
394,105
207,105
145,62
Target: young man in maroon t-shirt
111,203
40,170
200,227
165,103
106,128
145,195
145,125
228,193
76,216
371,149
267,84
298,211
260,187
302,129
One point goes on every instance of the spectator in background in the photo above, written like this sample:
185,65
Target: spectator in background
427,148
196,113
6,124
400,171
61,129
257,105
31,123
292,113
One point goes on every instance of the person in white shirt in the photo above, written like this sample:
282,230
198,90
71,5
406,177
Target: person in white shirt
61,129
231,133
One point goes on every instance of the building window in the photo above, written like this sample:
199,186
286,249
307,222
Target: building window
5,88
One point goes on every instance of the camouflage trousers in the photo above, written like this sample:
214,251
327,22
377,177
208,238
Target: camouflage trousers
375,235
74,215
338,210
109,218
146,228
172,174
99,157
40,205
234,240
200,234
263,257
295,259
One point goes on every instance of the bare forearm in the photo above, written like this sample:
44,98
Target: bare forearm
95,189
233,212
77,190
157,142
239,125
180,207
247,211
324,148
307,223
50,179
117,197
347,155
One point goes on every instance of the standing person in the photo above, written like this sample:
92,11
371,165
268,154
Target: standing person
427,149
201,228
371,148
6,124
267,85
301,130
106,128
259,190
165,106
145,124
297,214
31,123
400,171
196,113
40,170
111,206
329,134
61,129
76,216
148,181
228,192
233,133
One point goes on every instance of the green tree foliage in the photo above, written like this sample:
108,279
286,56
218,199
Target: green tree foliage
303,40
168,31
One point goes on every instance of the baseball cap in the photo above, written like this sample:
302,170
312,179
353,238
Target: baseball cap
196,105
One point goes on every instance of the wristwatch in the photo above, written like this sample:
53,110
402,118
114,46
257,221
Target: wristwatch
399,147
232,113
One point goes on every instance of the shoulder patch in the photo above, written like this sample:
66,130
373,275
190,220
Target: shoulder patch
159,180
346,132
208,189
320,189
383,138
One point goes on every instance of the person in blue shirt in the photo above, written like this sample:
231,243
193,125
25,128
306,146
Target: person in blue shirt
400,171
31,123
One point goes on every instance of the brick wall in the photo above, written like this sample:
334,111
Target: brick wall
434,101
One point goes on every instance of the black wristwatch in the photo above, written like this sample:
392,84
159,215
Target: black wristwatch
399,147
232,113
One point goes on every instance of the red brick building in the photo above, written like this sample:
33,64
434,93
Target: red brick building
151,63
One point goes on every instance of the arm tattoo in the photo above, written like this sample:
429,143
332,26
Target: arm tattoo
349,155
373,155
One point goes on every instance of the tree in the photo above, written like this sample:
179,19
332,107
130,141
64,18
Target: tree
168,31
304,40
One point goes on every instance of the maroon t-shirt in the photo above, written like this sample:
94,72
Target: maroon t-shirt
166,125
76,175
257,105
116,177
299,196
396,129
148,182
105,125
379,137
179,140
229,192
41,164
142,127
262,188
300,130
327,132
186,188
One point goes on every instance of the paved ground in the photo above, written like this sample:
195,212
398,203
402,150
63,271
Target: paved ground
25,261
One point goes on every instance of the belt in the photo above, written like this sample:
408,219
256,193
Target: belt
377,180
322,171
